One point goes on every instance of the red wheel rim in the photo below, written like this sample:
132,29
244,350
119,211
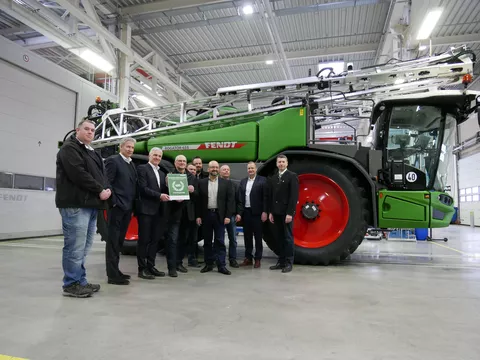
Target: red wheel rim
333,216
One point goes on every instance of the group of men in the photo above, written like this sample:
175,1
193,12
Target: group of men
87,184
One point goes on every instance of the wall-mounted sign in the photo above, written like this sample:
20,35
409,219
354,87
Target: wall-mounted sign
26,58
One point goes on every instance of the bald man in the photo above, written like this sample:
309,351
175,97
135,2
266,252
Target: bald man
215,208
179,213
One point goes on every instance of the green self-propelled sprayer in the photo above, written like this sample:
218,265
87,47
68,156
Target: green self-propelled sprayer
390,174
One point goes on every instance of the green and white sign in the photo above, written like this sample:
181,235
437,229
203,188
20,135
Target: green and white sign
178,187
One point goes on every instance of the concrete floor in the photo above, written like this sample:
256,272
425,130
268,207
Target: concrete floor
392,300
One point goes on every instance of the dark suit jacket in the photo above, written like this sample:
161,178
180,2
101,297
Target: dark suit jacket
202,175
236,190
148,201
258,195
175,208
225,198
123,179
283,193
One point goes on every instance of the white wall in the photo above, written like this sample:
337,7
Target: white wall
39,103
86,91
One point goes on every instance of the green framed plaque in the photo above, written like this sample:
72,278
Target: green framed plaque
178,187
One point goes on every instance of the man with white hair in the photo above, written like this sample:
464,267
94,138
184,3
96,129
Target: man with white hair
153,191
122,176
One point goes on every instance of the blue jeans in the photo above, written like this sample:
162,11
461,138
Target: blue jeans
79,226
232,239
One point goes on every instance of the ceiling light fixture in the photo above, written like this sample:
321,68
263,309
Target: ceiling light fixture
93,58
269,62
248,9
145,100
429,23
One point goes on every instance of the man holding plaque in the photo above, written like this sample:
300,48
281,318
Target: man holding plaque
180,211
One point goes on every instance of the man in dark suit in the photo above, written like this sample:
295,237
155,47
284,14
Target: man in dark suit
215,208
197,162
122,176
179,213
253,208
283,197
192,228
232,226
152,189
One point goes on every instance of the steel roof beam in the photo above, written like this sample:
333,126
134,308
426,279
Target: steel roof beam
117,43
165,5
333,51
166,14
268,18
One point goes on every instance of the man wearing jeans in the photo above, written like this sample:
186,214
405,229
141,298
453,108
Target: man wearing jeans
82,189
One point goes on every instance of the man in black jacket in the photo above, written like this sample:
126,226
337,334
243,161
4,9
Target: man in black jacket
82,189
215,208
283,197
152,192
122,176
197,162
232,226
253,208
180,212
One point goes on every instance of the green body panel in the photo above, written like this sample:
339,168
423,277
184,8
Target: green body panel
283,130
412,209
237,143
239,139
447,210
141,147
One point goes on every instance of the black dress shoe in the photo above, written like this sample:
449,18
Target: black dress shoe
172,273
156,273
182,268
145,274
288,267
207,268
125,276
277,266
224,271
118,281
234,263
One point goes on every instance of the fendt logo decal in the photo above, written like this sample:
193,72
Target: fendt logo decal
206,146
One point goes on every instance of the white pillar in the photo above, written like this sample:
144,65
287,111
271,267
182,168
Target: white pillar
124,66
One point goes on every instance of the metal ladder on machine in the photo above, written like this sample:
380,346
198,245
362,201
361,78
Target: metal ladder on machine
340,98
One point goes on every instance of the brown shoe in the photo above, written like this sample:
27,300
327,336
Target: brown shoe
246,262
257,264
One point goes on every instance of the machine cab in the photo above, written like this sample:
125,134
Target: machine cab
416,136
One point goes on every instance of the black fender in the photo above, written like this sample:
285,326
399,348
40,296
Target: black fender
270,163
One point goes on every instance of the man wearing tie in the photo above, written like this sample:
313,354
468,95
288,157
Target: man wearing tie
152,190
215,208
122,176
283,197
253,208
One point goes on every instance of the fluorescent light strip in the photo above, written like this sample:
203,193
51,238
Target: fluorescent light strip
429,23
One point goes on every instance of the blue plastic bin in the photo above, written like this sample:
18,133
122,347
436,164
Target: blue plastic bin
421,234
454,218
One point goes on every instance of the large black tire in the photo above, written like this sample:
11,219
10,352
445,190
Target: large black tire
356,226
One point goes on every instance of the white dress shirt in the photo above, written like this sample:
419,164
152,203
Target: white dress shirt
155,170
212,193
127,160
248,190
280,173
